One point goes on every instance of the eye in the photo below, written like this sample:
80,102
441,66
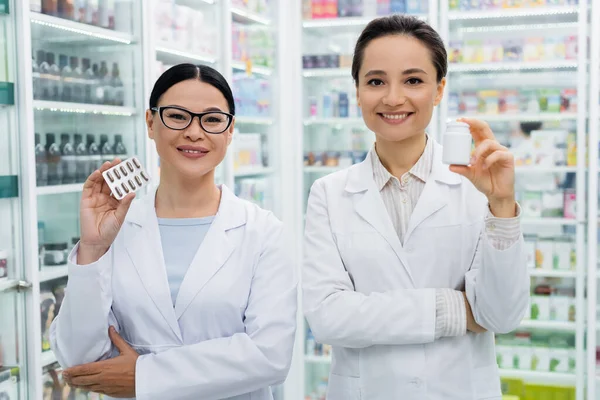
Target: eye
375,82
414,81
215,119
177,116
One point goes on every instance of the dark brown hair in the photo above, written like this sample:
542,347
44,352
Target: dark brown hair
402,25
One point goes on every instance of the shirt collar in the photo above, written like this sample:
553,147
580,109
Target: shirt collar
421,170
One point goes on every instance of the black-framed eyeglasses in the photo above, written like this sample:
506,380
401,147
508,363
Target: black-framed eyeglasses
178,118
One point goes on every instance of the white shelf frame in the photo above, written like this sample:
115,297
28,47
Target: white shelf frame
247,172
513,66
82,29
551,378
79,108
555,326
560,116
59,189
163,50
48,273
248,17
509,14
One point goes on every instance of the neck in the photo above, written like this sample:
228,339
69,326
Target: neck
399,157
181,197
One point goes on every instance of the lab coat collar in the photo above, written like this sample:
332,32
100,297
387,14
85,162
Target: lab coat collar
145,250
360,175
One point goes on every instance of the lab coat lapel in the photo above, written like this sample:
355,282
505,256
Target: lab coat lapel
214,251
369,205
145,250
435,193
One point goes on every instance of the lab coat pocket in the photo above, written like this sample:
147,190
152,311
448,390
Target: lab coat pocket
343,388
487,383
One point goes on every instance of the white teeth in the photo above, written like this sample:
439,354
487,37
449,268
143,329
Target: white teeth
395,116
192,151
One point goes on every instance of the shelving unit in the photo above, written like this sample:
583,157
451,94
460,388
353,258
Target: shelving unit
523,74
59,189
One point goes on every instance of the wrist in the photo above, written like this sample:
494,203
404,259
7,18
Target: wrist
503,208
88,254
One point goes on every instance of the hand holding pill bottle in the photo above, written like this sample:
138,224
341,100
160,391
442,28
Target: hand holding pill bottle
101,215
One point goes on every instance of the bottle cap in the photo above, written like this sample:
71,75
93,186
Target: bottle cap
457,127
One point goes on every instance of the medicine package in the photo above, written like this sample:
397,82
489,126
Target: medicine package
127,177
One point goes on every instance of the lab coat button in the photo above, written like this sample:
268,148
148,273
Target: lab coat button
491,227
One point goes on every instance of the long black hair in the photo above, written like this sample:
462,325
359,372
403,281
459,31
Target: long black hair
183,72
405,25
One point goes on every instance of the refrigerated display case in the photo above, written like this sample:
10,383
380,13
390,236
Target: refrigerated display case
523,70
334,134
14,375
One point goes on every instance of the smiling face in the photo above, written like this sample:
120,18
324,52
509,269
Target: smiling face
397,87
192,152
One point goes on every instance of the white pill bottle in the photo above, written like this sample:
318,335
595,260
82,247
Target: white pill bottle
457,144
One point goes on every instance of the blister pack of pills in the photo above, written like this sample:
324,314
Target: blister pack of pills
127,177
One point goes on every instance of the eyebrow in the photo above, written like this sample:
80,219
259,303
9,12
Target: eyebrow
205,110
405,72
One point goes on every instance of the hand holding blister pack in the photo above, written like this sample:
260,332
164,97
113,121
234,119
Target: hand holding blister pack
127,177
457,144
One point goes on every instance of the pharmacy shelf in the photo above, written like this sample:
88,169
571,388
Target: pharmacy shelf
7,284
194,3
522,117
58,30
59,189
321,170
548,221
310,359
333,121
253,171
52,273
79,108
541,377
48,358
241,66
327,72
347,23
170,55
552,273
558,169
512,13
246,17
515,66
549,325
253,120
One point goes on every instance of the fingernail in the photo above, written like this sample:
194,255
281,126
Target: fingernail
112,329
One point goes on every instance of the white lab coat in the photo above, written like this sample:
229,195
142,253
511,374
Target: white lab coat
231,332
374,300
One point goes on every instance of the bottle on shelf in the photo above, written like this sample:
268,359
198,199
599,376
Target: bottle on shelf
91,12
44,81
66,9
88,81
41,166
53,77
53,157
106,83
119,147
68,160
80,9
97,89
78,81
66,75
106,14
81,157
50,7
35,78
106,149
95,158
118,90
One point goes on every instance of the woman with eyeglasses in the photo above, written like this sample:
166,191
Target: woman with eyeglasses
189,294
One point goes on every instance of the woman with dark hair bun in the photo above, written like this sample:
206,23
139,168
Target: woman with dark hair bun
411,265
190,293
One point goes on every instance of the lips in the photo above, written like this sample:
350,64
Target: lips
396,116
192,149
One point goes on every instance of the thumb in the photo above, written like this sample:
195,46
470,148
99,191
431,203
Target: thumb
463,170
123,207
118,341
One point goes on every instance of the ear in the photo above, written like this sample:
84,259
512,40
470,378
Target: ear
150,123
357,96
440,92
230,132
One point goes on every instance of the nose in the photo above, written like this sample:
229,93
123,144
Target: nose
194,131
394,96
